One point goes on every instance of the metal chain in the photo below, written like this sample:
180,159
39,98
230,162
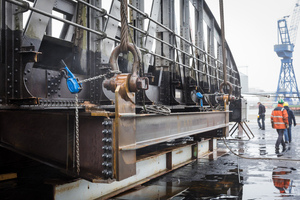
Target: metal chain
124,26
77,134
124,49
77,116
100,76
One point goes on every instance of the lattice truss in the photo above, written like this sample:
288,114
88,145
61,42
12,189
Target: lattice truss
180,43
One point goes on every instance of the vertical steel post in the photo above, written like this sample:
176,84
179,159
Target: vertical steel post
223,41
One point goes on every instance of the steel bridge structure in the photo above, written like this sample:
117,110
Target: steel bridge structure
105,136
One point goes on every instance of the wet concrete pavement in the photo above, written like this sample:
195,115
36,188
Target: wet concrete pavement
261,174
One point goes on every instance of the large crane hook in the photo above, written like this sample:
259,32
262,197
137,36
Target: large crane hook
129,82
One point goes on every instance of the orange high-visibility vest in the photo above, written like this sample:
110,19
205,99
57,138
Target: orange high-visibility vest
280,183
279,117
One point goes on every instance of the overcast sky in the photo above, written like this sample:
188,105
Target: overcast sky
251,33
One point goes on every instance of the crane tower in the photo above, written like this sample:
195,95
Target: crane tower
287,84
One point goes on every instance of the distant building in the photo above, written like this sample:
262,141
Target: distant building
243,71
244,82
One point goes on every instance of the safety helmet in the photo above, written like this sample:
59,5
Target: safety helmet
280,101
285,104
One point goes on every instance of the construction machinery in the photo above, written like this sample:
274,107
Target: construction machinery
287,84
100,89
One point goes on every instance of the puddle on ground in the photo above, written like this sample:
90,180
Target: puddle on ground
232,177
211,186
153,192
190,183
201,179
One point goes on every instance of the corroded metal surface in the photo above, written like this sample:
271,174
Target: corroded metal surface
172,58
151,129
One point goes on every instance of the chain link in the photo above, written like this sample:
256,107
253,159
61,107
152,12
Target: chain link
100,76
91,79
77,116
77,134
124,45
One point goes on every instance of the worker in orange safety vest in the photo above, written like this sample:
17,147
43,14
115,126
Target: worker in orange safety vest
279,121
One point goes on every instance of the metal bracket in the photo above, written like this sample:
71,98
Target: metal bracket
29,55
24,7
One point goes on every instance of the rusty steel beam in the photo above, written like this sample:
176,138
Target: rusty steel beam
151,129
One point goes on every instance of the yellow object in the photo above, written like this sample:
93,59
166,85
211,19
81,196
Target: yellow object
257,116
8,176
285,104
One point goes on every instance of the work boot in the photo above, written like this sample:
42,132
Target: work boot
283,149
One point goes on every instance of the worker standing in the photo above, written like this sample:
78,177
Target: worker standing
261,116
279,121
285,133
292,119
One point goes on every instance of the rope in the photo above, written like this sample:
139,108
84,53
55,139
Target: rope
124,27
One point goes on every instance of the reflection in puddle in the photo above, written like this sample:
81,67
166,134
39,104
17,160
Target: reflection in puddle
212,186
152,192
231,177
283,184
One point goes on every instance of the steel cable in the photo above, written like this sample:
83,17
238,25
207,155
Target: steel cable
157,109
124,26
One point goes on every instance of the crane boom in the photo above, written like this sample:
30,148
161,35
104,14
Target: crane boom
295,23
